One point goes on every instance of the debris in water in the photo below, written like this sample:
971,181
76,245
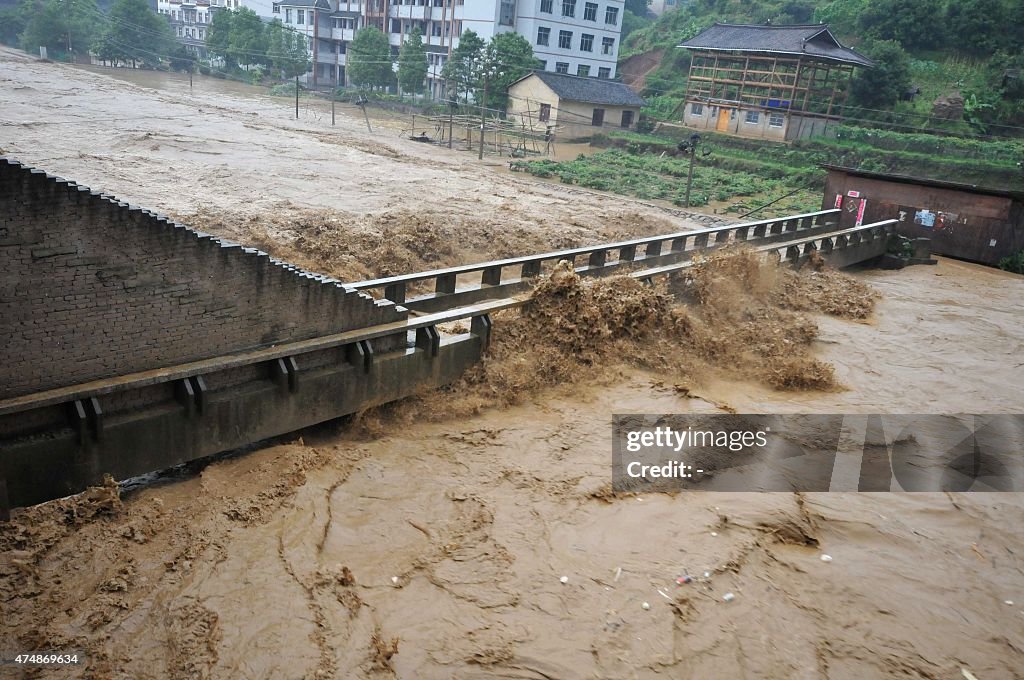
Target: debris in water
714,534
826,558
394,580
664,594
618,573
967,674
1009,602
564,579
683,580
645,606
728,597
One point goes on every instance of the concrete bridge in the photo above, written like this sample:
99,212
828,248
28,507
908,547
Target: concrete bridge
143,344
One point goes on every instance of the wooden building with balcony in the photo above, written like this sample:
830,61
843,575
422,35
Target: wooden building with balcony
765,81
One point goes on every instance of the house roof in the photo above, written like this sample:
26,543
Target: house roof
586,89
926,182
814,40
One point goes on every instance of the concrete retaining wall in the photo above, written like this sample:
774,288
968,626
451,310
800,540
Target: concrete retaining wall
91,287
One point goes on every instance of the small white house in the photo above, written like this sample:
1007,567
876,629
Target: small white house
578,106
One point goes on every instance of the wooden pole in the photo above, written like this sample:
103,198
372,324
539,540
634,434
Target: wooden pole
334,95
296,97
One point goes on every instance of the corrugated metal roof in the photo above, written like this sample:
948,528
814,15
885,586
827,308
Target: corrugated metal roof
813,40
927,182
588,90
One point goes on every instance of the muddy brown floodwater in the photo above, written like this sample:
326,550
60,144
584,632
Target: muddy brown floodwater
432,547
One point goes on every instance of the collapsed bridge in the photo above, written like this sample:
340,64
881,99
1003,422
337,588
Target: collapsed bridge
134,343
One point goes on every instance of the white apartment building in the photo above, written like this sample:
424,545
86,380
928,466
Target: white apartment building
578,37
190,20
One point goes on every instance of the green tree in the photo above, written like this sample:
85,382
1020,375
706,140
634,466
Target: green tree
218,37
881,86
509,57
842,16
181,60
247,43
136,34
60,24
369,59
980,25
631,23
412,63
13,20
462,71
637,7
299,61
286,50
912,23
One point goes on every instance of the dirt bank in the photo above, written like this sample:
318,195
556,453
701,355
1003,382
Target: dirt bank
436,549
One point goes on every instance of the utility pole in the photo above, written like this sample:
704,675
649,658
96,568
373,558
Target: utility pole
483,105
690,147
296,97
334,95
70,10
361,103
452,102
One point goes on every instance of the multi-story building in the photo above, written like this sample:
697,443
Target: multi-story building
190,20
578,37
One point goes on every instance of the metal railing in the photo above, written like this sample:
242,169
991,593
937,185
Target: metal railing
424,327
501,278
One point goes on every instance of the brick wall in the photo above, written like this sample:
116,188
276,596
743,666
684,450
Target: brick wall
92,288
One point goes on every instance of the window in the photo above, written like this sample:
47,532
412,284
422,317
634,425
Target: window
288,16
627,119
543,65
583,70
775,120
604,72
300,16
696,109
546,6
568,8
561,67
587,42
607,45
590,11
565,40
545,113
507,14
753,117
598,119
543,35
276,8
611,16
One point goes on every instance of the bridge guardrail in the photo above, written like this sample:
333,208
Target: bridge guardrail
424,326
492,282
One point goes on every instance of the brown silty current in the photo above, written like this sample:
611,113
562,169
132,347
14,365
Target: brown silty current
427,540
